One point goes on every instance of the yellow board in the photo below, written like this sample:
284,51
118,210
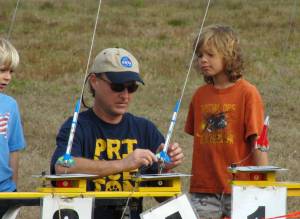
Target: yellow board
293,188
170,186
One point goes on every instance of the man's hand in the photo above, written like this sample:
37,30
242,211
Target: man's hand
175,153
138,158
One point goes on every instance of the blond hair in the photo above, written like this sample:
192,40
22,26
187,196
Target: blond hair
225,41
9,56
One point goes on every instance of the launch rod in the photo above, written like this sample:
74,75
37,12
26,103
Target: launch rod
163,156
67,159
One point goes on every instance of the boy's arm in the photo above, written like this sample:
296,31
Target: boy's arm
260,158
14,164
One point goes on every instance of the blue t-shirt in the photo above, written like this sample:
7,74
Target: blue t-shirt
11,139
97,140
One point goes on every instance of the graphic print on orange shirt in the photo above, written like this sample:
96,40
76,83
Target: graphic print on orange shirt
215,125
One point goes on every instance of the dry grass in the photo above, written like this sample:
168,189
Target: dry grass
53,38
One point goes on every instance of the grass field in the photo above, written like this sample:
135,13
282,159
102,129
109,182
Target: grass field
54,36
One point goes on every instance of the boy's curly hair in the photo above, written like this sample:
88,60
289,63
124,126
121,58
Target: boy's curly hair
225,41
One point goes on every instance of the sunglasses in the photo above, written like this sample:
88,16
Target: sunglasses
116,87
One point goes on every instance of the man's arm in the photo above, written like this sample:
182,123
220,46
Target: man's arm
14,164
260,158
138,158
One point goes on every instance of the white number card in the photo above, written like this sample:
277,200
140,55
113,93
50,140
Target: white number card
251,202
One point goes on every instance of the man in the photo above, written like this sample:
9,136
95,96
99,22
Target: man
109,141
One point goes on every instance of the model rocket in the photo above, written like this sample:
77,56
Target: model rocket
67,160
262,143
163,155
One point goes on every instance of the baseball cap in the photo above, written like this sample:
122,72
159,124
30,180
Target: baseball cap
119,65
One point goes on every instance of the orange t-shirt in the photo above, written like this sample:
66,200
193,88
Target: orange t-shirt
220,121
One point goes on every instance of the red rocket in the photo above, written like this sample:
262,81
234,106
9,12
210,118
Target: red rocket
262,143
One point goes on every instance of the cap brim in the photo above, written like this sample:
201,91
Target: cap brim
123,77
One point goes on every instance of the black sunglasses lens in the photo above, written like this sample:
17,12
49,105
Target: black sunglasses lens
117,87
121,87
132,88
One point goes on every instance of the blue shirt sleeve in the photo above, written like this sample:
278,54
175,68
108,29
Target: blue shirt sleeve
16,140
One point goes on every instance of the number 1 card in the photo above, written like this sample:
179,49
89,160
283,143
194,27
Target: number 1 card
250,202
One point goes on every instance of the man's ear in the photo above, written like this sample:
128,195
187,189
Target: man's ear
93,80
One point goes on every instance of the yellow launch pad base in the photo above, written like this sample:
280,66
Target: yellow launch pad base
165,186
264,176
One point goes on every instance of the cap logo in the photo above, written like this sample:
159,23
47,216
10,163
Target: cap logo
126,62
